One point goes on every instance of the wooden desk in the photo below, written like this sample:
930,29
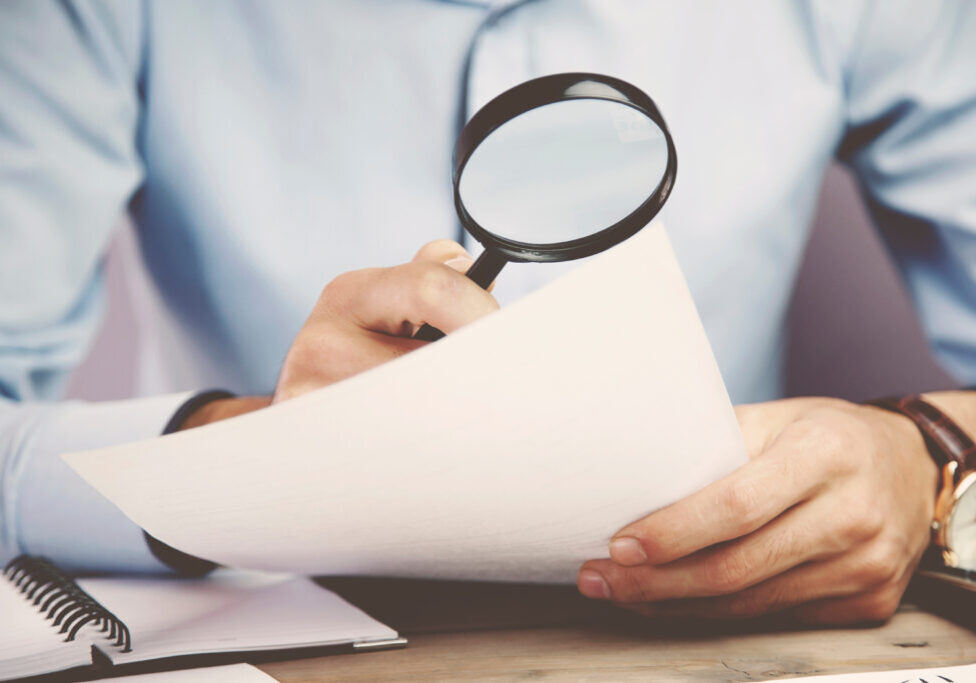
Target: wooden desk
498,632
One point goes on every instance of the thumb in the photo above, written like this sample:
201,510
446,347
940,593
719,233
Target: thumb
440,251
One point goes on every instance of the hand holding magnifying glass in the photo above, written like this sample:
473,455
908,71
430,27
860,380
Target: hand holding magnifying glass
559,168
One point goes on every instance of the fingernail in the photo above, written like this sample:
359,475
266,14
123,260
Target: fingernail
627,551
592,585
460,263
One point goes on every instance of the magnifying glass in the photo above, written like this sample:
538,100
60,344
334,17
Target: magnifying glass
559,168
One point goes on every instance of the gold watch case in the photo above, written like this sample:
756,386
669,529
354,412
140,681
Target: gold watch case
948,524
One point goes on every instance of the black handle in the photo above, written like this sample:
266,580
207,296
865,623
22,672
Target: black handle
483,272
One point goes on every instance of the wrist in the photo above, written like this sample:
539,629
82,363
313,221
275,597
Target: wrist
959,405
222,409
905,435
944,419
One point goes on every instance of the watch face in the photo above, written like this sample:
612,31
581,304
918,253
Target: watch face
961,527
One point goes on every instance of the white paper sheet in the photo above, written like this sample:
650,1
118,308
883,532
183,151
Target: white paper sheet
510,450
943,674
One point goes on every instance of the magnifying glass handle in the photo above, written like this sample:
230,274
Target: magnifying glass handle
483,272
486,268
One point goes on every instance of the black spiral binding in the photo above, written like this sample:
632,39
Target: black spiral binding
62,601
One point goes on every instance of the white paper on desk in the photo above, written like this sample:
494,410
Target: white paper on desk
943,674
510,450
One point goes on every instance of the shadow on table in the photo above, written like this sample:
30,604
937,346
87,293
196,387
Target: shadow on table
952,602
413,606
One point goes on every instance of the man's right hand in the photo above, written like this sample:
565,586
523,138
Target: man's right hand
364,318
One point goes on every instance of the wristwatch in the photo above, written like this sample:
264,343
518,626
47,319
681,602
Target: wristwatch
953,450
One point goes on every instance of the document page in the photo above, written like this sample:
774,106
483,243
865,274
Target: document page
944,674
512,449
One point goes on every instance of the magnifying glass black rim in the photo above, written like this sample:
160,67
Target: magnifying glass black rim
538,93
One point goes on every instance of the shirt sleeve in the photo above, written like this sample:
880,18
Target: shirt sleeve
911,141
49,510
69,112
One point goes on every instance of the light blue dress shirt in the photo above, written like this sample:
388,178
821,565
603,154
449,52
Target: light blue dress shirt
263,148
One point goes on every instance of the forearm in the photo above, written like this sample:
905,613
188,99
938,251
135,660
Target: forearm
46,508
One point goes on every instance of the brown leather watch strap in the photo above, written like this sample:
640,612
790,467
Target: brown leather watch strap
946,441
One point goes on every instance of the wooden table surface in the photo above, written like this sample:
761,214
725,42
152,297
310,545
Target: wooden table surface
516,632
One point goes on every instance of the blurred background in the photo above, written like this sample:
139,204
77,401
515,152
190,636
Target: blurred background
853,332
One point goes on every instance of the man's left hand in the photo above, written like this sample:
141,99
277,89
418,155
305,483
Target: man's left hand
828,519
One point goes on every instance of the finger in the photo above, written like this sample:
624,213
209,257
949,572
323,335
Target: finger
732,507
441,251
868,570
874,606
448,252
889,574
451,254
325,353
785,592
389,300
805,584
800,535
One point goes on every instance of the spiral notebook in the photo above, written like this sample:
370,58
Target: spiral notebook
51,622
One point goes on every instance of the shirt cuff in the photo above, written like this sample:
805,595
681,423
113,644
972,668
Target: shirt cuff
49,510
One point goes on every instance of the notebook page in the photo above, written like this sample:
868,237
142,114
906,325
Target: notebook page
29,644
228,612
232,673
510,450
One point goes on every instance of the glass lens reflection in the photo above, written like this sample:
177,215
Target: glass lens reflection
563,171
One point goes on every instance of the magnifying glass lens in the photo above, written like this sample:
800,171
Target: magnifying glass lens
563,171
559,168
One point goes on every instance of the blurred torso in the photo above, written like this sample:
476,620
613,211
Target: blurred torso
288,142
